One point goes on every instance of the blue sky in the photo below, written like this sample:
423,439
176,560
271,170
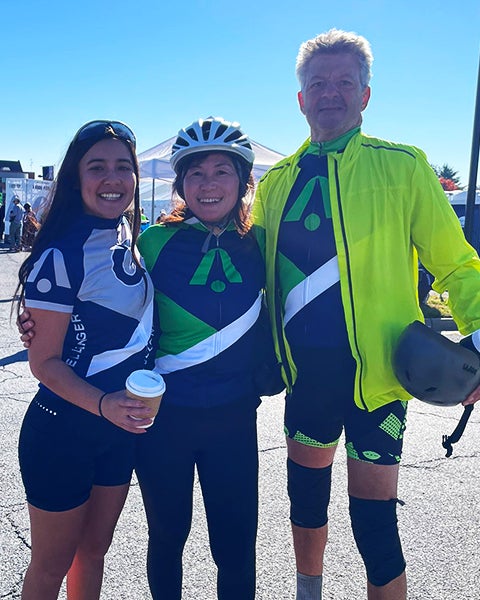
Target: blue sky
158,65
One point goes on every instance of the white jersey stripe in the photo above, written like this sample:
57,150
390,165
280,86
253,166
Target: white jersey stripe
311,287
211,346
63,308
136,343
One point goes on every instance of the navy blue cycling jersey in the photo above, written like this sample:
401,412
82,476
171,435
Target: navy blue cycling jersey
208,292
306,246
89,273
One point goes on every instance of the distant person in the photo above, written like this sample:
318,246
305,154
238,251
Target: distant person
342,221
30,226
161,217
145,221
92,304
15,218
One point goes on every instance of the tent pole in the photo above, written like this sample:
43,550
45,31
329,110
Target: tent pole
472,181
152,218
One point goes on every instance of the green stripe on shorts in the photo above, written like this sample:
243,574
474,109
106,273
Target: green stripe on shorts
308,441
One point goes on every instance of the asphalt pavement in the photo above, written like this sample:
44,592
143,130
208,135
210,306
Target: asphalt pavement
439,523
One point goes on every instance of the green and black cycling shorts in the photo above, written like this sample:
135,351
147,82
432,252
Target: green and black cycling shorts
321,407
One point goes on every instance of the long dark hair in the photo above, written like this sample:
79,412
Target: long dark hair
66,204
241,211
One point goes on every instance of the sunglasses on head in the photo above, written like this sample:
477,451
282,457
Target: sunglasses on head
98,128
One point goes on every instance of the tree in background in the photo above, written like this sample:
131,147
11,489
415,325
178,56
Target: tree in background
448,177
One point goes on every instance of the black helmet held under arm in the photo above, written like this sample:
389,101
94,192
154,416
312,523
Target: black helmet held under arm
433,368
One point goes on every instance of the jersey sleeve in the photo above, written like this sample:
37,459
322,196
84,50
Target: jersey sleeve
151,242
49,286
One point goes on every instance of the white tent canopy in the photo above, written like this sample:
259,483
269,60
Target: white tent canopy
157,175
460,197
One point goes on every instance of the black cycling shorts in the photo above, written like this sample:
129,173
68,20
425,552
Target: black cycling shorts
64,451
321,407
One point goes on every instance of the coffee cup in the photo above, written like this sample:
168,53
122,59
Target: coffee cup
147,386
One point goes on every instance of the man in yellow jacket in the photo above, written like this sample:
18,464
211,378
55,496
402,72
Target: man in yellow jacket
342,223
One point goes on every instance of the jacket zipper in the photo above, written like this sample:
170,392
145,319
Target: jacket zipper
350,287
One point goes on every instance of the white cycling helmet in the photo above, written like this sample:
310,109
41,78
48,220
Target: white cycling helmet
213,134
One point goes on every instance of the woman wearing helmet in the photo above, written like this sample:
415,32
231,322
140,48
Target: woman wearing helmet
208,276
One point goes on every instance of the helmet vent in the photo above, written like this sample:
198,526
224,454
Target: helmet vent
220,131
233,136
206,126
192,133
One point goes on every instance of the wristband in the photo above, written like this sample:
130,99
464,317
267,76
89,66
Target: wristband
100,404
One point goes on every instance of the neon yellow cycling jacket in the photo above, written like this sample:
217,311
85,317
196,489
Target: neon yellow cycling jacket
388,210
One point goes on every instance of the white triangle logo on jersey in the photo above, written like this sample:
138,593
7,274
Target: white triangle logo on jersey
60,276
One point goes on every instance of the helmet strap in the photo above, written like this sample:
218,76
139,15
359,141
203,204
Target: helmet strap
448,440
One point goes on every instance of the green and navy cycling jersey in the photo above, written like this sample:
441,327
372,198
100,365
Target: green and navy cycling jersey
307,261
89,273
208,291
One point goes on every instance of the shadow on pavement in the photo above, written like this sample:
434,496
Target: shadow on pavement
21,356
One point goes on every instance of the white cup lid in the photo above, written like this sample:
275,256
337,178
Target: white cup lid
145,383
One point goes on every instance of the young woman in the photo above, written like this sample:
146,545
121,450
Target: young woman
92,304
208,276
